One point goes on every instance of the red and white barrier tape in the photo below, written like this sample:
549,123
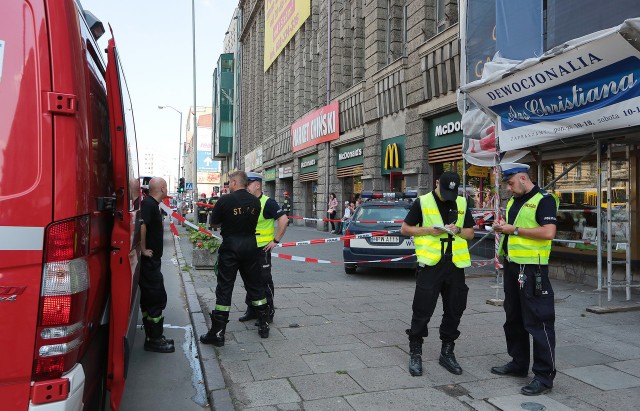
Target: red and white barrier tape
318,261
205,205
185,221
337,239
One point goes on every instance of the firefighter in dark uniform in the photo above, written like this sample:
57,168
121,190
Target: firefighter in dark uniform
238,214
442,256
212,201
286,205
528,296
203,210
266,240
153,297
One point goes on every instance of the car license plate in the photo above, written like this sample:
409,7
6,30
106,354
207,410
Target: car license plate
385,239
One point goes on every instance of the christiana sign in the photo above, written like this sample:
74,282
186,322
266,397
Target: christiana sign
316,127
592,87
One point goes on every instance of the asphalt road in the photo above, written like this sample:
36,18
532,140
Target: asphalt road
285,271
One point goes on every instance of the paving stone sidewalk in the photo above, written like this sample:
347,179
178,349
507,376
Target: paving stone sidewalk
340,345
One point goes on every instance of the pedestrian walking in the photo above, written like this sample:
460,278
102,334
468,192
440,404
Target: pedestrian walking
266,240
528,295
153,298
331,211
237,213
441,223
346,216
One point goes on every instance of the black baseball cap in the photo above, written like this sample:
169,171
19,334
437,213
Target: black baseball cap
449,183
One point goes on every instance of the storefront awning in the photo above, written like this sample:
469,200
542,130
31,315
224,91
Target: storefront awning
587,85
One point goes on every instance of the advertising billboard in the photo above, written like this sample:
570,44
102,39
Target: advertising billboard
282,19
316,127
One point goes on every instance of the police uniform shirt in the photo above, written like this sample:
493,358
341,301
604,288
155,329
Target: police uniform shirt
545,213
272,209
448,212
238,213
152,219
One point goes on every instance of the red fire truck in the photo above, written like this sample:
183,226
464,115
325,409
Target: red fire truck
69,198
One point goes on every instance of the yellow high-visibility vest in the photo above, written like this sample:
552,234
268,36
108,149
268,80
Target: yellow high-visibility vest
428,247
264,229
523,250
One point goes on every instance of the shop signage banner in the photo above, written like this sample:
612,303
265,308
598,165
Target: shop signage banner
392,158
590,88
285,171
350,155
282,19
445,131
316,127
253,160
480,39
270,175
309,164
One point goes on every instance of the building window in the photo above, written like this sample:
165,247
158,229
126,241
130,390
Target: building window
441,16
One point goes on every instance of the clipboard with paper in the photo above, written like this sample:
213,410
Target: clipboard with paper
445,229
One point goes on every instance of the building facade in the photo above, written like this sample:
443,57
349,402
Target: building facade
391,67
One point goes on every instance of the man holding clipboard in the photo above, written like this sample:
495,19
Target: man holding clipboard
441,224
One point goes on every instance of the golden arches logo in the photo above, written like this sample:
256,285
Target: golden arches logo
391,157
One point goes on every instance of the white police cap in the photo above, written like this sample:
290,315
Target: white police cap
251,176
509,169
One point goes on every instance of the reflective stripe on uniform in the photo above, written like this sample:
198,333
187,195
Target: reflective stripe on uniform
21,238
258,303
222,308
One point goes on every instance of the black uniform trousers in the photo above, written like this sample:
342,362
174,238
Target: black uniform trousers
265,277
530,314
444,279
202,215
153,297
238,253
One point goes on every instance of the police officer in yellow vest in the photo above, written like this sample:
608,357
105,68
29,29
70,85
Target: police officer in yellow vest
266,240
528,296
441,224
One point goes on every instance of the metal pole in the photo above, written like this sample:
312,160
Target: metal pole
327,145
599,218
195,118
179,135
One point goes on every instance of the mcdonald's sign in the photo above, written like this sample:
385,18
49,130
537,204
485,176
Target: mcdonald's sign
391,157
393,152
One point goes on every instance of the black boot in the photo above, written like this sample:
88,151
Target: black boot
263,323
147,323
215,336
250,314
272,312
154,340
448,359
415,359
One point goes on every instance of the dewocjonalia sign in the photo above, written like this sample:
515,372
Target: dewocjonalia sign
282,19
593,87
316,127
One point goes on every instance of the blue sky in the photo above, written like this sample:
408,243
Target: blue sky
155,43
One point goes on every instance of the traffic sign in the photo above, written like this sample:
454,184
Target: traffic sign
188,186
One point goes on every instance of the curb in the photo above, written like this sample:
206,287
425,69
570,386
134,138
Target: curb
217,392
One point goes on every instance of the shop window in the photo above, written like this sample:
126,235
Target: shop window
577,218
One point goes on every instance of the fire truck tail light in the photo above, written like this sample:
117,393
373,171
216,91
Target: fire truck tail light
60,332
63,298
65,277
59,349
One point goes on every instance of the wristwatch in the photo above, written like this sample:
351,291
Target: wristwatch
276,241
515,232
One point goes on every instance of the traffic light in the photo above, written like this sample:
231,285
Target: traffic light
181,185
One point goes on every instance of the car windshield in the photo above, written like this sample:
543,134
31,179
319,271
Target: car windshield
382,213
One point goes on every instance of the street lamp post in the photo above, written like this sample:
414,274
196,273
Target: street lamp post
179,138
195,117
